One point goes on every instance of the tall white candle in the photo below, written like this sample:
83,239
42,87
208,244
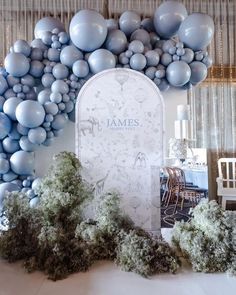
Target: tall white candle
183,112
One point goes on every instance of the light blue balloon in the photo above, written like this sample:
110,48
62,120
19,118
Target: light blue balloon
59,121
22,163
69,55
51,108
10,176
4,166
152,57
34,201
80,68
60,71
5,125
138,62
129,21
178,73
10,145
196,31
2,101
38,43
188,55
46,37
22,130
56,97
28,80
21,46
53,54
60,86
112,24
9,93
36,54
36,68
44,96
3,84
101,59
198,72
141,35
10,106
88,30
47,24
37,135
168,17
63,37
27,145
150,72
69,106
116,41
14,134
47,80
166,59
164,85
48,141
136,46
36,183
7,187
16,64
32,118
147,24
207,60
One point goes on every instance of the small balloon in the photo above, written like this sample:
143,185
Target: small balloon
60,86
148,25
138,62
22,163
69,55
112,24
80,68
27,145
178,73
136,46
5,125
36,68
188,55
60,71
116,41
198,72
16,64
44,96
141,35
10,145
3,85
4,166
152,58
59,121
129,21
21,46
101,59
37,135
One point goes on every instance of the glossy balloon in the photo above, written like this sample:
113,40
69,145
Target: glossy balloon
4,166
141,35
10,106
27,145
198,72
47,24
88,30
196,31
17,64
178,73
80,68
37,135
69,55
101,59
116,41
5,125
129,21
10,145
21,46
138,62
22,163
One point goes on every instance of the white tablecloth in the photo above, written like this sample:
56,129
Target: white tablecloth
198,176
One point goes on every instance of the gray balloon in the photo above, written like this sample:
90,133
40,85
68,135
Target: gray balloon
116,41
69,55
150,72
147,24
196,31
101,59
188,55
129,21
207,60
152,58
141,35
136,46
167,45
168,17
138,62
112,24
178,73
198,72
166,59
164,85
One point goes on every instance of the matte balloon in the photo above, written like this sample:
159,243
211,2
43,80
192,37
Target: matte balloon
21,46
10,105
16,64
138,62
56,97
36,54
166,59
196,31
150,72
2,101
112,24
141,35
188,55
69,55
36,183
28,80
168,17
14,134
10,176
88,30
178,73
116,41
34,201
101,59
38,43
22,130
47,80
44,96
5,125
47,24
3,85
7,187
207,60
80,68
32,118
9,93
59,121
22,163
4,166
37,135
167,45
51,108
152,58
136,46
148,25
10,145
164,85
60,86
27,145
129,21
60,71
36,68
198,72
53,54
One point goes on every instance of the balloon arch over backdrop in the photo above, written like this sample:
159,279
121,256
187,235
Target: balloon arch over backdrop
40,80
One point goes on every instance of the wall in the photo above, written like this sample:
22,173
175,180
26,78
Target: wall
66,141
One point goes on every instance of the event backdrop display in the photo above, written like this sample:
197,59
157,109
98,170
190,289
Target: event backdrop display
41,79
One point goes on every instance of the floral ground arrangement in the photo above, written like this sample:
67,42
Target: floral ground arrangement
55,237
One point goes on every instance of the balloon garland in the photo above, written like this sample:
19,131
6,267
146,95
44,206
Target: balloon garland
40,81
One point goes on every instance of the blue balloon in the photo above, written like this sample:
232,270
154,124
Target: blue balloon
60,86
141,35
53,54
36,54
10,106
36,183
44,96
22,130
2,101
10,145
47,24
7,187
112,24
5,125
101,59
38,43
69,55
22,163
59,121
88,30
136,46
129,21
16,64
152,57
36,68
28,80
14,134
32,118
47,80
148,25
27,145
178,73
168,17
10,176
3,85
37,135
21,46
34,200
138,62
198,72
80,68
51,108
4,166
116,41
196,31
60,71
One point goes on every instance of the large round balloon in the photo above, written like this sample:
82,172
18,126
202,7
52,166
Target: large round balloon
22,163
178,73
30,113
5,125
116,41
129,21
196,31
88,30
69,55
101,59
198,72
17,64
47,24
168,17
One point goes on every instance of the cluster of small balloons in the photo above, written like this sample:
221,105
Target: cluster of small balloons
40,80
